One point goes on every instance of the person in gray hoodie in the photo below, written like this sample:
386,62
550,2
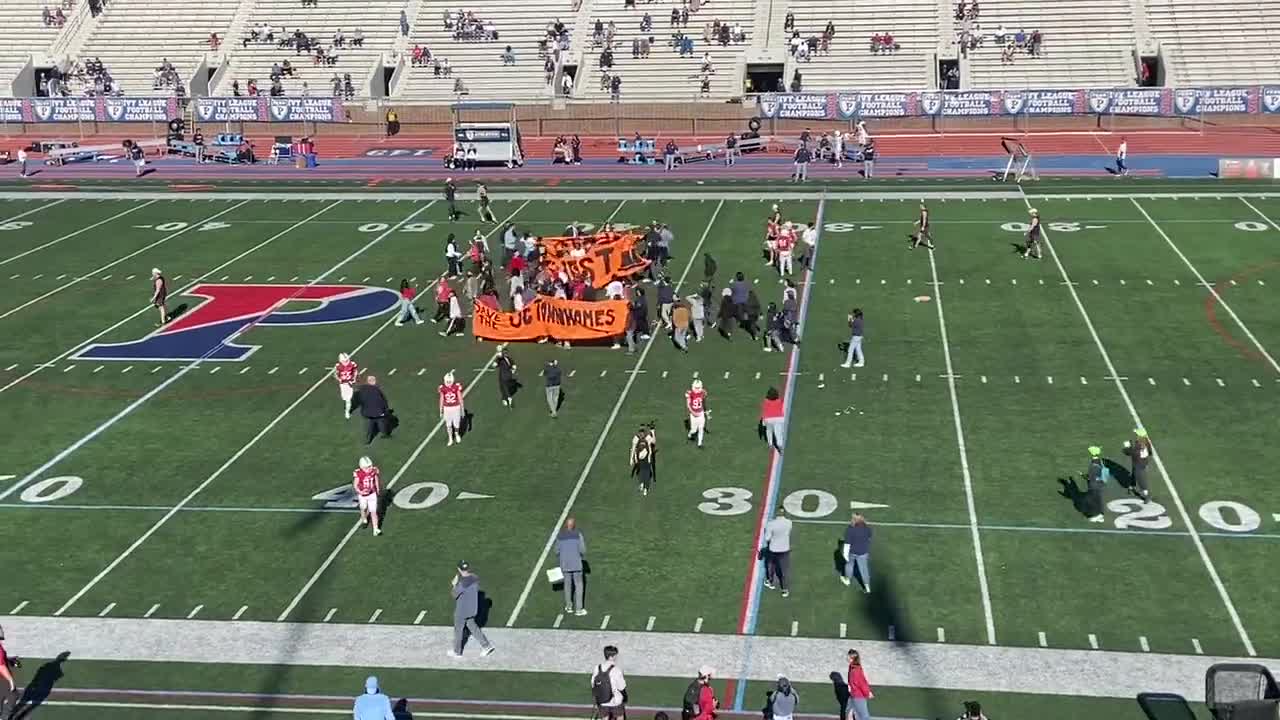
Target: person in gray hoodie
465,590
372,705
783,700
571,549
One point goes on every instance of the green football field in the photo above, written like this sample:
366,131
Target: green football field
214,490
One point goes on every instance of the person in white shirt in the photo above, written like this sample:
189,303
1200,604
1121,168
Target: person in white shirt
777,553
837,147
22,162
863,135
609,687
1122,156
615,290
810,239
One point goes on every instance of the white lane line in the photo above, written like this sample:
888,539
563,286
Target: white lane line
68,368
214,370
1212,291
1044,640
107,610
1142,643
697,625
194,611
604,623
223,468
244,369
417,452
795,628
180,291
240,613
844,630
1195,645
69,235
649,625
374,617
1192,532
273,370
942,635
329,615
418,619
1093,641
151,611
604,434
965,473
559,619
18,608
113,263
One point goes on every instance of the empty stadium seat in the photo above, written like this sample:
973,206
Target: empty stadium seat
851,65
1217,43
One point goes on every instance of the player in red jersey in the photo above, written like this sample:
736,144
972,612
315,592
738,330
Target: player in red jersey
345,371
451,409
786,243
367,482
695,399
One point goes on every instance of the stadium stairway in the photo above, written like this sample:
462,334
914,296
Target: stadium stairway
1086,43
378,20
1224,42
851,65
23,35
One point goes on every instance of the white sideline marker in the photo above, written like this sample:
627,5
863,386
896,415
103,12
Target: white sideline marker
602,373
604,623
795,628
18,608
649,625
212,370
107,610
195,611
273,370
697,625
844,630
99,368
942,635
374,617
69,368
559,619
1093,641
240,612
1256,383
1195,645
418,619
1044,641
11,367
1186,382
1220,383
244,370
151,611
329,615
1142,643
422,372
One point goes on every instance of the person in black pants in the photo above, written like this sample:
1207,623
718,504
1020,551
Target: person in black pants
451,197
374,408
506,377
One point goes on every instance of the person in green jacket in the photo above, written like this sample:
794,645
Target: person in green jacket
1095,477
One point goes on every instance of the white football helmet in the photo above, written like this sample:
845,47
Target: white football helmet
365,462
697,384
448,378
344,358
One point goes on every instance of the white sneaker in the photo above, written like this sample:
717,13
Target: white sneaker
581,612
418,322
844,580
615,346
768,349
449,443
488,651
364,521
846,365
399,324
1097,518
377,531
858,364
453,654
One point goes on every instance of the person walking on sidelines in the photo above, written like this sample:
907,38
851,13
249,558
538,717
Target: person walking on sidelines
407,309
452,256
22,162
680,326
700,701
855,340
777,553
773,419
464,588
551,376
373,704
784,699
697,305
506,377
800,173
1095,477
451,197
859,689
160,294
374,408
857,552
571,551
1122,158
1139,451
609,687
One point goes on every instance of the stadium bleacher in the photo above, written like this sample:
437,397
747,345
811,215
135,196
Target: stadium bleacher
1086,43
914,25
1217,43
23,34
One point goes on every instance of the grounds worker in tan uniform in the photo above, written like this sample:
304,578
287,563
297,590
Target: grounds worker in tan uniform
680,322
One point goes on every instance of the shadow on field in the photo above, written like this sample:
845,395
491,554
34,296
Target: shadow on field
1078,497
40,687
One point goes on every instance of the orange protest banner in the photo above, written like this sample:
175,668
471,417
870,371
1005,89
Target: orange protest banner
602,258
552,318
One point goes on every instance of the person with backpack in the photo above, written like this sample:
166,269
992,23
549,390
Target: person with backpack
699,698
783,700
609,687
1095,477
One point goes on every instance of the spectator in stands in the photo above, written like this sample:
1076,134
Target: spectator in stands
705,88
404,23
615,87
435,67
1033,43
1020,38
335,82
973,10
508,56
675,16
306,89
348,88
635,48
215,42
235,88
646,23
253,88
548,69
458,87
789,23
566,84
338,38
684,18
606,58
1006,56
445,68
357,38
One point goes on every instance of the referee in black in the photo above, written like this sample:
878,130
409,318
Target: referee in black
374,408
451,197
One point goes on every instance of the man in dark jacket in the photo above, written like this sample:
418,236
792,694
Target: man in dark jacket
465,591
551,375
374,408
506,377
451,197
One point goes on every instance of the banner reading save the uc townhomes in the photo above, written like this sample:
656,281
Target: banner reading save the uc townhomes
552,318
604,258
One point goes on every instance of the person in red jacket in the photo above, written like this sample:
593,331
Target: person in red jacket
707,703
407,309
443,293
772,418
859,689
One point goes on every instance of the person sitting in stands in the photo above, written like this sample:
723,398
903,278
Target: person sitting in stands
508,56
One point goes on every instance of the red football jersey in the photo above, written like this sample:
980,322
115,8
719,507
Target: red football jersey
696,400
366,481
771,229
451,395
786,239
346,372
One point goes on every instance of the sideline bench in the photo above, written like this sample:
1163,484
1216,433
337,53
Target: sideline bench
62,156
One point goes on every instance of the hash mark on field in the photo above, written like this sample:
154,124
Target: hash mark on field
18,608
214,369
107,610
559,619
224,278
984,379
69,368
151,611
273,370
15,365
1049,378
757,374
329,615
1017,379
1013,281
1122,282
1044,641
244,369
1220,383
602,373
106,277
418,619
270,278
604,623
99,368
917,378
1149,282
1186,382
1195,645
573,372
1256,383
240,612
988,281
893,632
1084,380
649,625
374,617
1261,282
1041,281
155,369
60,276
294,278
303,371
177,278
726,374
365,280
664,373
942,635
844,630
884,377
697,625
126,369
393,371
1177,282
422,371
247,278
195,611
1151,381
795,628
1093,641
1142,643
342,279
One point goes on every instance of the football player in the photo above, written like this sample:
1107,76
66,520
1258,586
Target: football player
786,241
695,399
922,236
345,371
368,486
451,408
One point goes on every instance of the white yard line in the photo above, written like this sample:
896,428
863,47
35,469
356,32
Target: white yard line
1155,454
70,235
536,571
975,536
1260,214
223,468
148,308
117,261
355,526
1212,291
